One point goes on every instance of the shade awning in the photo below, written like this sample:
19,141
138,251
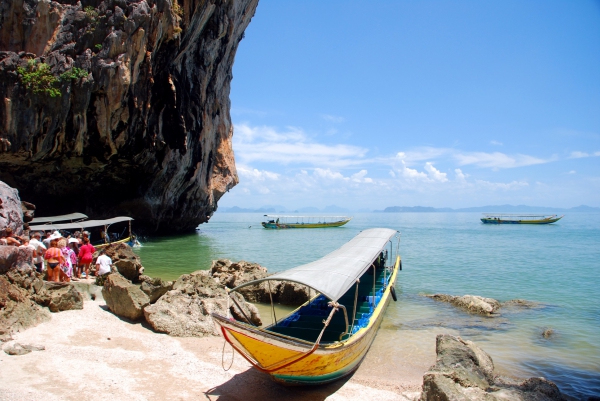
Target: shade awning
54,219
335,273
80,225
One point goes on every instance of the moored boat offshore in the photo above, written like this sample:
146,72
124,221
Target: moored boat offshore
503,218
277,221
327,337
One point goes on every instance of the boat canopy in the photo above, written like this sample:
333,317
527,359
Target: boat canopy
335,273
297,216
64,217
80,225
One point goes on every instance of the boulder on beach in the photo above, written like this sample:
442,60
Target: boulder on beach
463,371
61,296
155,287
185,310
124,298
471,303
125,261
232,274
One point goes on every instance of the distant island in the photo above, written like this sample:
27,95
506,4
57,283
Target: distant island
412,209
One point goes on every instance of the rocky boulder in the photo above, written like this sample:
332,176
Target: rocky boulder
463,371
185,310
155,287
232,274
11,214
18,310
130,111
125,261
12,257
124,298
470,303
60,297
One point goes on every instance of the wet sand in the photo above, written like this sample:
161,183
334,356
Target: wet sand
91,354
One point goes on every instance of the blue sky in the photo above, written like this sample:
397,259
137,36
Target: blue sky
433,103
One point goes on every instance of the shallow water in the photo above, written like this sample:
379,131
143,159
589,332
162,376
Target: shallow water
557,265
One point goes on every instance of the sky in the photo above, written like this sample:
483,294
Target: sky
370,104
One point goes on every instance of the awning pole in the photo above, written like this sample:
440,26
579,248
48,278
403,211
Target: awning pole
272,305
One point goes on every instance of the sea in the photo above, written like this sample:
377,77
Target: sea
556,266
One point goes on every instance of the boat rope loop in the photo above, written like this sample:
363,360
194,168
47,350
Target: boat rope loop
286,362
223,356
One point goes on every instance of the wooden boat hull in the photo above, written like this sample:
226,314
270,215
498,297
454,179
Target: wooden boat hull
307,225
121,241
500,221
289,360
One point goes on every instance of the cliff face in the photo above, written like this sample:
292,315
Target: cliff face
120,107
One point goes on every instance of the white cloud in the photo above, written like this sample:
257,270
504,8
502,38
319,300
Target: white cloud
434,173
496,143
578,155
460,176
333,119
495,186
254,175
572,172
291,146
497,160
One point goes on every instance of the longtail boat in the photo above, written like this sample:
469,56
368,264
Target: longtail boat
278,221
503,218
102,226
327,337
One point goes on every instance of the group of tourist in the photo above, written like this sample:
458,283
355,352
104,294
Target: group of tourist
65,258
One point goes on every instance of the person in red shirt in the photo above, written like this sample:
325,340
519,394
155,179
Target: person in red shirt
86,252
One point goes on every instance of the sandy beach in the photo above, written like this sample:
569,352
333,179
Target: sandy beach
92,354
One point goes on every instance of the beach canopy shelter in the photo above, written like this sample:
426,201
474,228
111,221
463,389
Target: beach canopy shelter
80,225
335,273
54,219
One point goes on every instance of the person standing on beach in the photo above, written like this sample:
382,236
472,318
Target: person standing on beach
55,258
86,252
103,267
40,248
73,244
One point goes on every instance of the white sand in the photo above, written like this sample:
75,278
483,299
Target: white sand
91,354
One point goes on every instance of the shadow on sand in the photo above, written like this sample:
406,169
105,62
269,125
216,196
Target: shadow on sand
253,385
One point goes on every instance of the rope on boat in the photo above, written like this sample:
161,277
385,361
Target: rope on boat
355,301
223,356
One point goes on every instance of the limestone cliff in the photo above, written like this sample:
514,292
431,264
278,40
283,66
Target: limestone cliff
120,107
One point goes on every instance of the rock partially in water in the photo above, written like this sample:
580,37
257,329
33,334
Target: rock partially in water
548,333
125,261
463,371
124,298
470,303
521,303
232,274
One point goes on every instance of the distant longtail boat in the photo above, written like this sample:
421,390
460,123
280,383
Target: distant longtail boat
503,218
277,222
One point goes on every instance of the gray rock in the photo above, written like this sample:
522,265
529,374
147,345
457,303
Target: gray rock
63,296
470,303
16,349
463,371
185,311
125,261
11,213
124,298
155,288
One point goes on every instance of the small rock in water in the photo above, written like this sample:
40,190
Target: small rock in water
547,333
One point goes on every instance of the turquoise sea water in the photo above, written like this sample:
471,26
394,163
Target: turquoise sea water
557,265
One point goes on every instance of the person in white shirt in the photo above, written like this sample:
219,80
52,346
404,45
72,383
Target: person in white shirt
103,267
40,248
